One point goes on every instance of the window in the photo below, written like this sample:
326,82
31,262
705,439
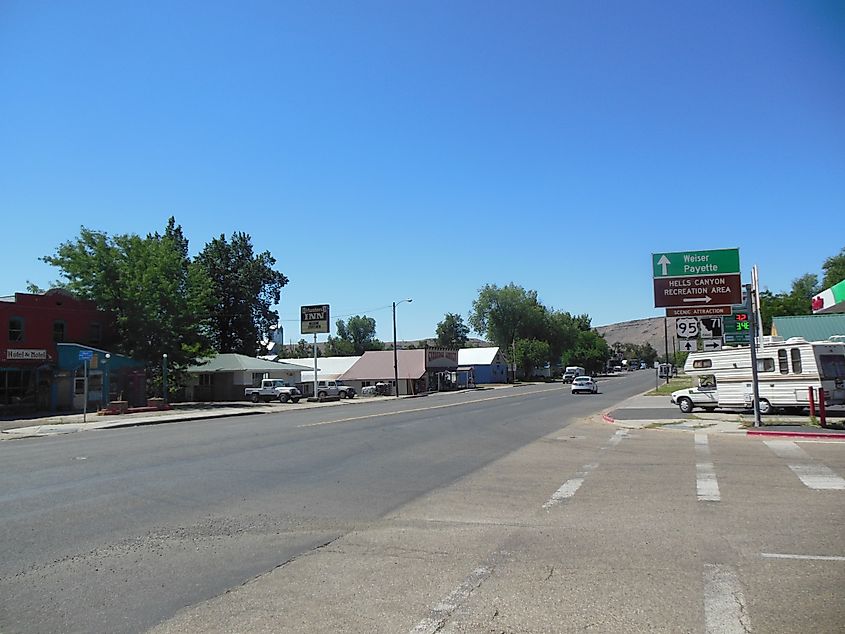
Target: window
703,363
796,360
832,366
58,331
707,382
94,333
783,362
15,329
765,365
256,379
205,380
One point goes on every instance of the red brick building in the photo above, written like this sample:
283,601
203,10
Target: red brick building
32,326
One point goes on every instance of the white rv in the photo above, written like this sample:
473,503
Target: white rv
785,372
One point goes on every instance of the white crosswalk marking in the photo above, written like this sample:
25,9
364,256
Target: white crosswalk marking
705,475
812,474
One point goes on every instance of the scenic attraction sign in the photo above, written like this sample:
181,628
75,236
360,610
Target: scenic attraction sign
696,279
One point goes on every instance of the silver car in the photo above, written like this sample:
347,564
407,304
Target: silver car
584,384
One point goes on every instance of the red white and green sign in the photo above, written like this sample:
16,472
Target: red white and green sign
831,300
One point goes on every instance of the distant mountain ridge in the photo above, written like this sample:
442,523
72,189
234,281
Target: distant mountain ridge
639,331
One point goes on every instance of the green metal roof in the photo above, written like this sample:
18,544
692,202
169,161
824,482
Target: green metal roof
811,327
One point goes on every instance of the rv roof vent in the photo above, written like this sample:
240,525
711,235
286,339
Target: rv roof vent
772,339
796,340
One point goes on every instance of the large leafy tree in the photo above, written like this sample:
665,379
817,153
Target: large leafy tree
452,332
530,354
158,297
245,286
504,314
354,337
591,351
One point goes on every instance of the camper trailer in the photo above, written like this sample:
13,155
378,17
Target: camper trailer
785,372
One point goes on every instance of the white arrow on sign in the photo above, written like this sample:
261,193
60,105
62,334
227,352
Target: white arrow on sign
706,300
664,262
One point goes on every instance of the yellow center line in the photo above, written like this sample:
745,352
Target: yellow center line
420,409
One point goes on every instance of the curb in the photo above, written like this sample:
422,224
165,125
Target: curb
796,434
608,418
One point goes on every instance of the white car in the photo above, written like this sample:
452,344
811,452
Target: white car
584,384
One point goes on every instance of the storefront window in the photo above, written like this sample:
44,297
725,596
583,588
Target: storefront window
15,329
94,333
58,331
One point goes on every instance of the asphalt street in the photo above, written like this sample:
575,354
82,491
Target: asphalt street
118,530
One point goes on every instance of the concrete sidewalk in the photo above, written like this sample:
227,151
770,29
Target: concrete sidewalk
658,412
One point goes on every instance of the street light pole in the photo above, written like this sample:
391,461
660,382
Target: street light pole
395,353
164,376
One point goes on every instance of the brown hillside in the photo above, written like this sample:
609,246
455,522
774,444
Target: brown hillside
639,331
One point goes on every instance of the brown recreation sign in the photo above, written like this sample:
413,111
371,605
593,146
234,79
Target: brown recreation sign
704,290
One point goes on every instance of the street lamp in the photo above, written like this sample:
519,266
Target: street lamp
164,376
106,387
395,353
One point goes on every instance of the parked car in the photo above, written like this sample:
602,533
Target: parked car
271,390
584,384
335,388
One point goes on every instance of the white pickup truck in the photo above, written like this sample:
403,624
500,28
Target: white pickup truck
273,389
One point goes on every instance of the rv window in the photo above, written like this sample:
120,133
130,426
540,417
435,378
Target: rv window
796,360
702,363
707,382
765,365
783,362
832,366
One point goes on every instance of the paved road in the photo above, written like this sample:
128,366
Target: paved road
115,531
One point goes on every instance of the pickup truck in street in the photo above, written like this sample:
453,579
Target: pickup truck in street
272,390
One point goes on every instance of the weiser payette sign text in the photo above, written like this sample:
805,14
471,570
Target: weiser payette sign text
696,279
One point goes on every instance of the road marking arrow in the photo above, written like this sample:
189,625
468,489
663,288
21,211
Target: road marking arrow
664,262
706,300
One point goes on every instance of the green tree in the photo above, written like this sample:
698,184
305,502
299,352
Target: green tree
530,354
798,301
303,350
452,332
834,270
505,314
355,336
245,287
591,351
158,297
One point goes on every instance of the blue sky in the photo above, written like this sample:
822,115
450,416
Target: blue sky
383,150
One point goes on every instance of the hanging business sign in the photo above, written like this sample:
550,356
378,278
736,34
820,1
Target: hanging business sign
314,319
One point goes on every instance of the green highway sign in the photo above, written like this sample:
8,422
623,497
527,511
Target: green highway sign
695,263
